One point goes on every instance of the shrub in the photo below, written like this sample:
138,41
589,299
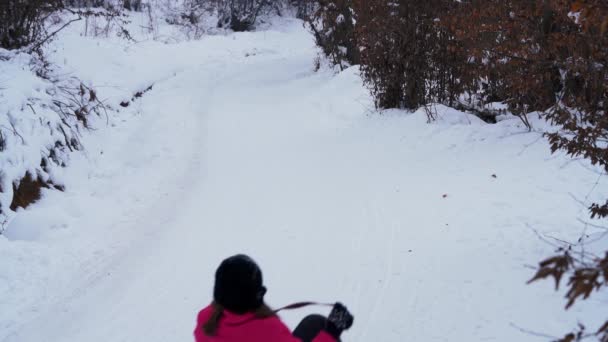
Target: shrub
240,15
22,21
131,5
304,8
332,23
408,58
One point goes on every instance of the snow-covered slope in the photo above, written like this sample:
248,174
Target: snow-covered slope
423,230
38,125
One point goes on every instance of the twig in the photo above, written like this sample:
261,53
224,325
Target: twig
526,146
597,182
569,161
544,238
65,136
42,42
599,238
581,202
533,333
32,108
15,132
592,225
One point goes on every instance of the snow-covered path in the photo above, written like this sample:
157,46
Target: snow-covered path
423,230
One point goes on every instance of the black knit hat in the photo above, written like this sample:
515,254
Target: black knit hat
239,285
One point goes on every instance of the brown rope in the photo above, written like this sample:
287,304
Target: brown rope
293,306
301,305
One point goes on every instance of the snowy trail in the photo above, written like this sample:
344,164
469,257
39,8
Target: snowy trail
260,155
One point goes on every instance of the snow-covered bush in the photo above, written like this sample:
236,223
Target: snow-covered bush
303,8
41,117
241,15
333,24
131,5
194,17
103,22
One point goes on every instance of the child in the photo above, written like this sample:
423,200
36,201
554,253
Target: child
238,312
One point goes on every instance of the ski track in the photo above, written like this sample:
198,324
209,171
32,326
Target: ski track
231,154
385,280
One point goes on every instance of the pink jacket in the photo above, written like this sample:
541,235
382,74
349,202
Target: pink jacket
245,328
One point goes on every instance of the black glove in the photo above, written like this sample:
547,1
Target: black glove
339,320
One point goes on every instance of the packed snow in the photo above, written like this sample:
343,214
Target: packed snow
427,231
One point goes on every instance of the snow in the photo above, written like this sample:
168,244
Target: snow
424,230
29,127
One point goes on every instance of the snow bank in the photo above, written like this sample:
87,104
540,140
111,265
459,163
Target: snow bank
39,124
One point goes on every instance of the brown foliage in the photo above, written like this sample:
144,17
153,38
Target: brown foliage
585,277
506,42
533,55
554,267
408,58
28,190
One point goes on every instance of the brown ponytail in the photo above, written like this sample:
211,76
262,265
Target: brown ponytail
210,327
264,311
